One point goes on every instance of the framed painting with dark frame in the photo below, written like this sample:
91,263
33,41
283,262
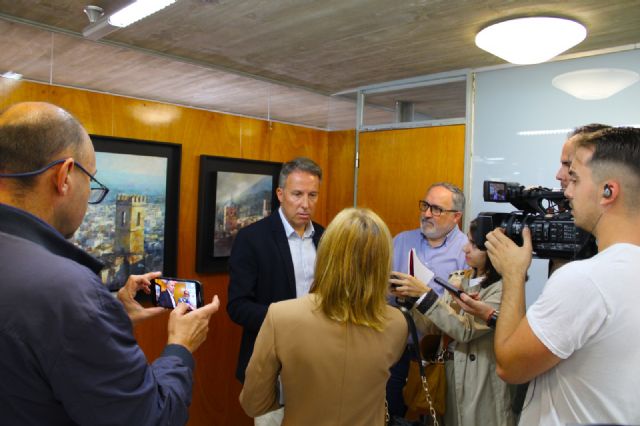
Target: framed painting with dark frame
135,228
233,193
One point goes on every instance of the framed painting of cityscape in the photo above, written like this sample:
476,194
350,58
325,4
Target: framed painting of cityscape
233,193
134,230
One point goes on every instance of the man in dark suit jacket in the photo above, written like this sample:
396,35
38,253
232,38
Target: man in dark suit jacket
167,299
262,267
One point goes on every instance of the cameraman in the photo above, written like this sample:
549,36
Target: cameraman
486,312
483,311
587,310
562,175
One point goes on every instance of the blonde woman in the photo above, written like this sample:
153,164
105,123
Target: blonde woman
332,348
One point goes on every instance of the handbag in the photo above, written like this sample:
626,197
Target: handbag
425,382
415,398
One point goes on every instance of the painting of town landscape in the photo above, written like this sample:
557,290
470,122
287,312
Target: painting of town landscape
126,231
241,199
233,193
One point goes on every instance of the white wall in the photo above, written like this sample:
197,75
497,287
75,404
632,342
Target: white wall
513,100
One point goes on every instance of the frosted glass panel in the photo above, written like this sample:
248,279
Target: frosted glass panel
521,122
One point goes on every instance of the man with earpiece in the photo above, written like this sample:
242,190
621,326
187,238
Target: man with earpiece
576,342
485,312
562,175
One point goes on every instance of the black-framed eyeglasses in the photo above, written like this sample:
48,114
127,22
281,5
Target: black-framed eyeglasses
435,210
98,190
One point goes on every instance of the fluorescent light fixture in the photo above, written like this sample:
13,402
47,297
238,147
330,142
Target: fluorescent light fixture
11,75
564,132
136,11
126,16
530,40
595,83
545,132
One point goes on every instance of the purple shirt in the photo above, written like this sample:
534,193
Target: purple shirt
442,260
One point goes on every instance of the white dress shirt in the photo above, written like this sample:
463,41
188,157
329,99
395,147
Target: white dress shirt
303,254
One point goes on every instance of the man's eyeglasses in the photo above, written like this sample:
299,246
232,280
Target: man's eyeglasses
435,210
98,190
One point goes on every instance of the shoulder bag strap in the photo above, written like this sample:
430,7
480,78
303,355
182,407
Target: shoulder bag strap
421,363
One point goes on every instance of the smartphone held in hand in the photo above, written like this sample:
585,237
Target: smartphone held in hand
169,292
449,287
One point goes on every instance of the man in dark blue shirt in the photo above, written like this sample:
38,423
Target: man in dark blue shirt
67,350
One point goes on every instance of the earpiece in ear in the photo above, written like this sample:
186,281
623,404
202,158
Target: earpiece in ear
607,193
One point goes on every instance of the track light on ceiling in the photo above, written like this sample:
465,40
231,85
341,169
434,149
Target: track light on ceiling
134,12
530,40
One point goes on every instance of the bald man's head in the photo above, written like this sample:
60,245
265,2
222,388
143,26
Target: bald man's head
33,134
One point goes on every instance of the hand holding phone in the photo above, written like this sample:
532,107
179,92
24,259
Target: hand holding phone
392,284
449,287
134,292
190,328
169,292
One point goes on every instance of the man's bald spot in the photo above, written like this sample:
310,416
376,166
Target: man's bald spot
32,113
33,134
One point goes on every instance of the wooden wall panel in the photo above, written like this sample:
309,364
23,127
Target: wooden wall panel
93,110
395,169
215,393
397,166
254,141
342,154
12,91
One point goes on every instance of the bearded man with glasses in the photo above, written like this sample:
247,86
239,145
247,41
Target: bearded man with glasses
438,243
67,350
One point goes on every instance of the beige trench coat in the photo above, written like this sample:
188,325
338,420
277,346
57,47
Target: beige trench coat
333,373
475,394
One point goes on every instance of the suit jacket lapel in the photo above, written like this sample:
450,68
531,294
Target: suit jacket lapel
282,243
317,234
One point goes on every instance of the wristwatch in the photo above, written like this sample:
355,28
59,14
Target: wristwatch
493,318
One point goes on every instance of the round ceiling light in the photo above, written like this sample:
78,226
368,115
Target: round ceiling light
596,83
530,40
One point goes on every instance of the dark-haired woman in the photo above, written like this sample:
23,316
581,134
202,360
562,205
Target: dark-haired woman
475,394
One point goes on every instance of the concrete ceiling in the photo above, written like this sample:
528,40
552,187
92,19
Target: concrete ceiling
279,59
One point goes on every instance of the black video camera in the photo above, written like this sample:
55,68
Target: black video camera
547,214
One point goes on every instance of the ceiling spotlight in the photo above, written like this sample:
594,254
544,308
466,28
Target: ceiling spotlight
93,13
596,83
530,40
11,75
126,16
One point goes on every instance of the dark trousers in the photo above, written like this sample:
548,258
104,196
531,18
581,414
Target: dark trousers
397,380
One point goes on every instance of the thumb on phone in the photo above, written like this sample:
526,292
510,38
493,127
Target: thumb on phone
190,329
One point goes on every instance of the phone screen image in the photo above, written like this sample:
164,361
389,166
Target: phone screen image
169,292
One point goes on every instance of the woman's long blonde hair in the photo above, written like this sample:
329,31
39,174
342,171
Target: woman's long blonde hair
353,264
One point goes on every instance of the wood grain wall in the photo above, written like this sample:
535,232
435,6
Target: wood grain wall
395,169
200,132
342,154
397,166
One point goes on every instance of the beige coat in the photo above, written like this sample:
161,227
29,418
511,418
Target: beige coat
475,393
332,373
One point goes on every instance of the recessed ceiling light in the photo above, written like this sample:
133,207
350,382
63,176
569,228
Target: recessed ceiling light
530,40
596,83
12,75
